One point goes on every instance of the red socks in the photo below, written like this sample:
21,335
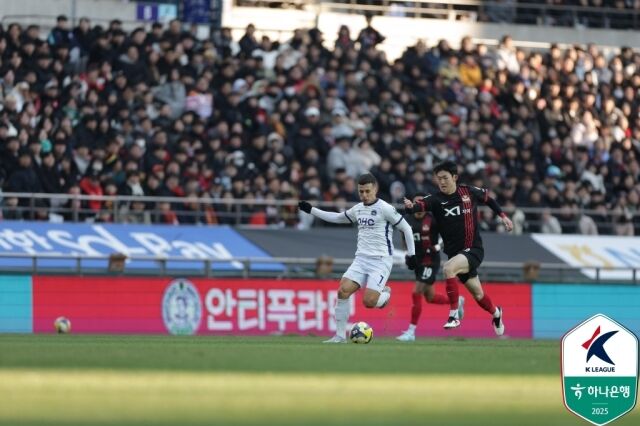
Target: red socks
486,304
440,299
453,292
416,308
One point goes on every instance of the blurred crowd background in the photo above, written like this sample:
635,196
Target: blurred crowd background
553,133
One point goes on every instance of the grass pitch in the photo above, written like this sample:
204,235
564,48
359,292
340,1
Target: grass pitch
146,380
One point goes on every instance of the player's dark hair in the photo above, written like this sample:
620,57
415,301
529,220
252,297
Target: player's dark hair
366,178
447,166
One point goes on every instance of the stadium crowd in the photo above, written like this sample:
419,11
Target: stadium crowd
101,111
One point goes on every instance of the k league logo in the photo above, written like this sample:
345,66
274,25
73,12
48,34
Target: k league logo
600,370
595,346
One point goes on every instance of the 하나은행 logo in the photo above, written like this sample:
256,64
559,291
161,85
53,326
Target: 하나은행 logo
600,370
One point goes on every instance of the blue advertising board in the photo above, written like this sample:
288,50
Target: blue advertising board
188,243
16,309
557,308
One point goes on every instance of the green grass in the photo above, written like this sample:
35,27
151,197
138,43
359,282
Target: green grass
147,380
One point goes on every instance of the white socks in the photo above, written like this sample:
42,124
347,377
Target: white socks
382,299
453,313
342,315
412,328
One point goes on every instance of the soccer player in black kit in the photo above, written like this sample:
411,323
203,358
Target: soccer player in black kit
455,209
425,237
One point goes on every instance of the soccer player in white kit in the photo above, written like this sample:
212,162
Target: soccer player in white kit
374,257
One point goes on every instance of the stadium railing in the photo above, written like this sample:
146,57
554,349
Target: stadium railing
294,267
531,12
46,22
75,208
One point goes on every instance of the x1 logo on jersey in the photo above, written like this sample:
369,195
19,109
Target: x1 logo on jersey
455,211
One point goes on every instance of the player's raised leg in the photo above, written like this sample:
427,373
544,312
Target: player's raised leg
475,288
377,293
434,298
376,299
347,288
458,264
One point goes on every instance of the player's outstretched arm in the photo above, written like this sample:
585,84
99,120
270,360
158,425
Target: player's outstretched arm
508,225
305,206
332,217
408,205
493,205
419,206
404,227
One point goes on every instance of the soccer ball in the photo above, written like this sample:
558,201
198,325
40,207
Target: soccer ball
62,325
361,332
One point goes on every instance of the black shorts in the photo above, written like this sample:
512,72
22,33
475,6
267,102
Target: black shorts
475,256
427,273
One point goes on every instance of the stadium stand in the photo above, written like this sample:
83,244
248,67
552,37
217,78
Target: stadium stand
100,111
614,14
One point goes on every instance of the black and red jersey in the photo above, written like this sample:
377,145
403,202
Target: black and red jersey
425,236
457,217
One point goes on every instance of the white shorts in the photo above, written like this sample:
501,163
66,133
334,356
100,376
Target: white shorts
370,272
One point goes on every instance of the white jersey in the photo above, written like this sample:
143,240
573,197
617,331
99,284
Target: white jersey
375,227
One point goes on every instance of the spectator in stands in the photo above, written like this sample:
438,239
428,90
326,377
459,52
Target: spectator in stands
450,70
24,178
344,41
586,225
136,213
506,58
343,157
60,34
470,72
73,208
84,36
165,214
91,185
369,37
11,210
622,219
248,42
550,225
